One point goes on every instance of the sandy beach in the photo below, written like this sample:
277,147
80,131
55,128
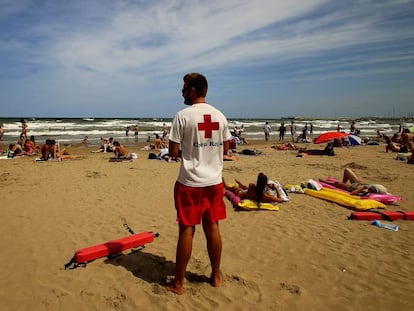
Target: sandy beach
306,256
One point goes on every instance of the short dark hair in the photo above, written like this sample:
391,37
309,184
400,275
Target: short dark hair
198,82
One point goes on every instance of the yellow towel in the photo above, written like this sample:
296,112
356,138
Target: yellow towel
345,199
252,205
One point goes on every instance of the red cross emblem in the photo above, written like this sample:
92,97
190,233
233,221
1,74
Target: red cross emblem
208,127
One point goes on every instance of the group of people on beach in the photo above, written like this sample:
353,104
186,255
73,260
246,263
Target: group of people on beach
267,191
135,128
109,145
24,146
401,142
27,146
305,136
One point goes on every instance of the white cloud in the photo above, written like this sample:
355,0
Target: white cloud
178,35
173,34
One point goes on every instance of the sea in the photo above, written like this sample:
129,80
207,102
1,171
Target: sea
73,130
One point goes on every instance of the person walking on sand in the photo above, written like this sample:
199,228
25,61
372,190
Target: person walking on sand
203,134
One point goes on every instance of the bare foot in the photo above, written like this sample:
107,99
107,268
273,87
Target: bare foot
216,281
172,287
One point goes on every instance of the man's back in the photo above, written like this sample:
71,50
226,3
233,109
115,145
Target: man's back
201,130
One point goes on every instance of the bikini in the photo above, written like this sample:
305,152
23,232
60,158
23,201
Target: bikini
356,185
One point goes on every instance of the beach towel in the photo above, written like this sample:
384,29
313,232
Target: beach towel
248,205
50,160
344,199
123,159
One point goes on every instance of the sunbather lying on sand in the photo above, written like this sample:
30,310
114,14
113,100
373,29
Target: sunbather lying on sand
286,146
263,191
328,150
356,186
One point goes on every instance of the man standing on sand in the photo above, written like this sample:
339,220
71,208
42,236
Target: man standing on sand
266,129
203,134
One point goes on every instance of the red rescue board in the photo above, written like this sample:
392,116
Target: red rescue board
408,215
365,216
111,248
383,215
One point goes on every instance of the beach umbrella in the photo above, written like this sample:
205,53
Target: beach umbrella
329,136
411,129
354,140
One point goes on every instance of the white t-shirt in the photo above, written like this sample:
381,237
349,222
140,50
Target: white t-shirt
267,128
201,130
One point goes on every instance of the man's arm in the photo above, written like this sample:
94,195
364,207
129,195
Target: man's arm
361,189
173,149
226,146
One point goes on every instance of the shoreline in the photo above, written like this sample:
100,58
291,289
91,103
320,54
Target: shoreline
132,142
73,131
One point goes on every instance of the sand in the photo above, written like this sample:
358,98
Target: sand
306,256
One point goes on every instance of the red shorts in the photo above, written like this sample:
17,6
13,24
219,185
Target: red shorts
199,204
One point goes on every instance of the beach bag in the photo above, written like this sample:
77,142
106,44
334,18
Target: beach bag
152,156
313,184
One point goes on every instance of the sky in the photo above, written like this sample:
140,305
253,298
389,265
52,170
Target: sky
262,58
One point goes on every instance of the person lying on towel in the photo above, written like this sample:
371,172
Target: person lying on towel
263,191
356,186
328,150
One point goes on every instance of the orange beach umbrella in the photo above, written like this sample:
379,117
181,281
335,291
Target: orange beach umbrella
329,136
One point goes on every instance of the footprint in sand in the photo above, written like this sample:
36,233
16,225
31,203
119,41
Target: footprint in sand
233,169
355,166
293,289
94,174
116,301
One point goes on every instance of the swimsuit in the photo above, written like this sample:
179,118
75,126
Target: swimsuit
356,185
